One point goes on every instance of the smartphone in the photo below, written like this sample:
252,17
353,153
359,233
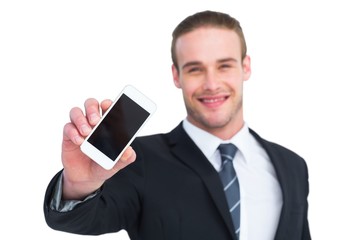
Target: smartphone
118,127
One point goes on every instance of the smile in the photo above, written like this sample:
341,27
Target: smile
212,100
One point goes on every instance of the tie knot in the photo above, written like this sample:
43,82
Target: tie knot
227,151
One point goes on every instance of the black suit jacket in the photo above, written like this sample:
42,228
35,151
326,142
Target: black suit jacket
172,192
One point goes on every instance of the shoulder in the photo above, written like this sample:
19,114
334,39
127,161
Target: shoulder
150,142
162,140
278,151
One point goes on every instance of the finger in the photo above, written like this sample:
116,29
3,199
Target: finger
71,135
105,104
92,111
79,120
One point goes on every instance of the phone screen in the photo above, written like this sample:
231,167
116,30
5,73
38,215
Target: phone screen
118,127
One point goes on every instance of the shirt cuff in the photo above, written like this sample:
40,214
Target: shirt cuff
57,204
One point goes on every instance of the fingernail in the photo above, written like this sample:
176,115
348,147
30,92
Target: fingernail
78,140
94,118
85,129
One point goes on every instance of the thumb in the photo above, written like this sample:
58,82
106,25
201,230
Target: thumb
126,158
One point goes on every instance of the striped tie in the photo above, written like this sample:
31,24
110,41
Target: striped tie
230,183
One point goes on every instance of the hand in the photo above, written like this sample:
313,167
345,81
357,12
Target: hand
82,175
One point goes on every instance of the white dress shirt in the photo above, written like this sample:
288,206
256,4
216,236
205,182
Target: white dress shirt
260,192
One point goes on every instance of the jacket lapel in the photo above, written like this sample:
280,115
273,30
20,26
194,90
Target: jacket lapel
186,151
281,172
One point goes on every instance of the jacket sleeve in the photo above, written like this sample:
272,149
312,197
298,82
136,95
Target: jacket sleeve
114,207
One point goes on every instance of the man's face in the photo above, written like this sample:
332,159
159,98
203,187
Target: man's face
211,75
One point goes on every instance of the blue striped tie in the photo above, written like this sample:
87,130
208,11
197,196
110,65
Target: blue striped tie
230,183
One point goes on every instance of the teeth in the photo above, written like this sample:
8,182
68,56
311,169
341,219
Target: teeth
212,100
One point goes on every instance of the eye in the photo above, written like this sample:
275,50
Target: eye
194,70
225,66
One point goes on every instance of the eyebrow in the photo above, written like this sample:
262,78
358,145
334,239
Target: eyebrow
189,64
196,63
227,60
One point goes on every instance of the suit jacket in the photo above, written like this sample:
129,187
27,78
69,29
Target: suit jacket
172,192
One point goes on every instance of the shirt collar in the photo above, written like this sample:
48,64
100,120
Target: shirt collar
209,143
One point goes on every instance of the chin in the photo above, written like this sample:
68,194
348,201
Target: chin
215,123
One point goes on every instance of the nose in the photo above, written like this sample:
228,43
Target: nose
211,80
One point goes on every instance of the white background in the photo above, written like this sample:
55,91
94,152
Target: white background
303,92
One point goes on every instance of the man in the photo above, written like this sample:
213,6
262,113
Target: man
170,186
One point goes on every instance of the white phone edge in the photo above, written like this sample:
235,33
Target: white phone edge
94,153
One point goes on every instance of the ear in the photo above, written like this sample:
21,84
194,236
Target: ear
246,64
175,74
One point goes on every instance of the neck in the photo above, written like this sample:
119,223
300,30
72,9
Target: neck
225,132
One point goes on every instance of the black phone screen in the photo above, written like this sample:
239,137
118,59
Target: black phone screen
118,127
